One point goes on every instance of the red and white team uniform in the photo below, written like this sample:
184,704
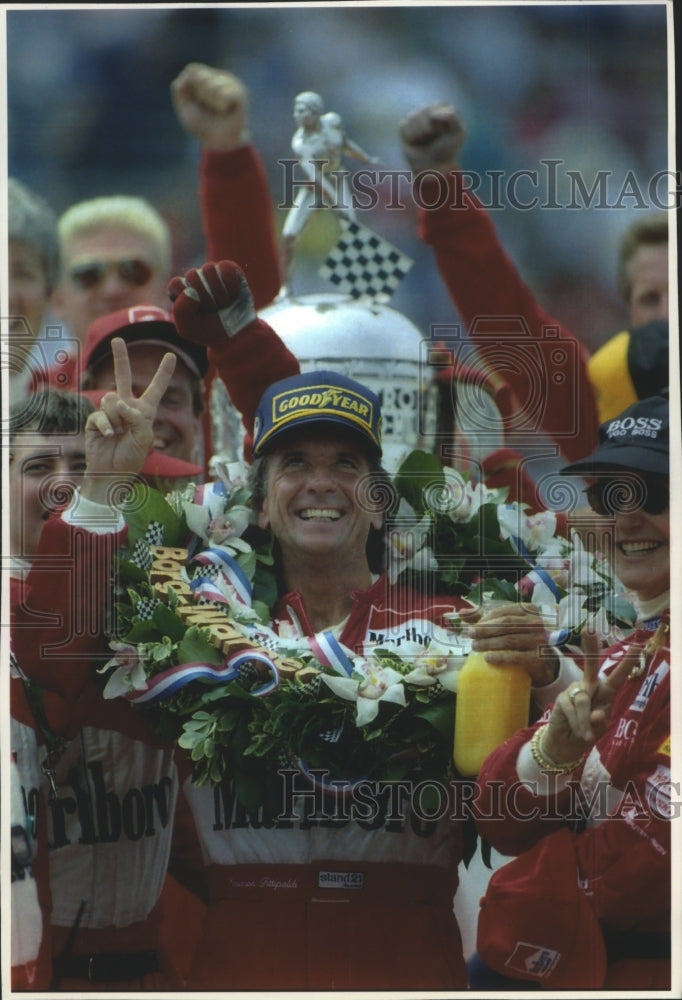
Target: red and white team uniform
610,857
315,899
108,822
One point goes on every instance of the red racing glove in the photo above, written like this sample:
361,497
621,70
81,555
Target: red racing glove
211,303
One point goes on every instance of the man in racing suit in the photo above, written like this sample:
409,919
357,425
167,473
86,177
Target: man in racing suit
306,899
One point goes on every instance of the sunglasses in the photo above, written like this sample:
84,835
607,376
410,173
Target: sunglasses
629,493
132,271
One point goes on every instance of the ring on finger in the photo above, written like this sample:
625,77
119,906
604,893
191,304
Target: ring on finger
574,691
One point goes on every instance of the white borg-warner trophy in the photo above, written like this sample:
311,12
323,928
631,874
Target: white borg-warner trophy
351,329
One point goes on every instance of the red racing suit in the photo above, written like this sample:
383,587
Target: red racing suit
109,822
542,362
237,218
597,840
310,900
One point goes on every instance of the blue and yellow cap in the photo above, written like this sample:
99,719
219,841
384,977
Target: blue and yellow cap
317,397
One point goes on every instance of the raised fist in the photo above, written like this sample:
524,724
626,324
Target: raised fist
212,105
211,303
432,138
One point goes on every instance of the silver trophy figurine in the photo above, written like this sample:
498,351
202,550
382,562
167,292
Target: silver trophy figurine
320,143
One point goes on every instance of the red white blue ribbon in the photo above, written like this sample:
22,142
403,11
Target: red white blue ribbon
163,686
331,653
204,586
206,492
232,572
537,573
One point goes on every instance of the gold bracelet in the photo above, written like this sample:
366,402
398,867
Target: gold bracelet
544,762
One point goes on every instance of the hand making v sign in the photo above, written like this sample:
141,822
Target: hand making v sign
581,712
119,435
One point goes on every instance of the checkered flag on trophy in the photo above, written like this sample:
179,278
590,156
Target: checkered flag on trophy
363,265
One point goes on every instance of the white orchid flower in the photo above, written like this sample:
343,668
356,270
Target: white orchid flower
509,517
539,530
554,560
129,674
217,526
369,684
226,529
462,499
439,662
535,531
406,544
199,516
582,570
288,632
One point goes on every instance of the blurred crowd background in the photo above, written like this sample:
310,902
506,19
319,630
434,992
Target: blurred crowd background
89,113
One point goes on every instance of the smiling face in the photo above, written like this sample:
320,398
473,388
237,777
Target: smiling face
43,472
310,499
642,552
176,425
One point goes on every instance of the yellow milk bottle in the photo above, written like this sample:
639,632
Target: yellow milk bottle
492,704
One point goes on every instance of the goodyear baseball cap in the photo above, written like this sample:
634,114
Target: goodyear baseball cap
638,438
141,325
313,398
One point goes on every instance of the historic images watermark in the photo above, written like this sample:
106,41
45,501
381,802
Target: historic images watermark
419,805
549,186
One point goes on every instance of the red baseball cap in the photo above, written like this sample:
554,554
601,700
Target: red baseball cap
167,467
141,325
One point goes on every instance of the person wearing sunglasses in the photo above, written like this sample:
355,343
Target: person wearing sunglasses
116,253
584,798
